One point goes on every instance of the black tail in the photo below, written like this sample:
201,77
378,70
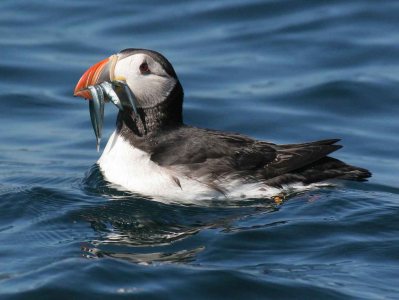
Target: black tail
313,167
329,168
323,169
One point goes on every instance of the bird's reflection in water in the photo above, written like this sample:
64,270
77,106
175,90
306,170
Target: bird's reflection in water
122,225
127,222
183,256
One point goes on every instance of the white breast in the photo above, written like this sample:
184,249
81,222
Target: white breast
132,169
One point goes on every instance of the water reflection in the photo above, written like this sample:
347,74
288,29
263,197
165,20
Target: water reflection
131,227
183,256
125,221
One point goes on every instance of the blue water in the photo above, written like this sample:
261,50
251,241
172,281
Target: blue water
284,71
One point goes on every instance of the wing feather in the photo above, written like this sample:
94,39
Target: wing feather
215,154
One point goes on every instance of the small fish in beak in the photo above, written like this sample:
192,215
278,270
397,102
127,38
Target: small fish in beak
108,89
98,94
98,84
122,83
97,111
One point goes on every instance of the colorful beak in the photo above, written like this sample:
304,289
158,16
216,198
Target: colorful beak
100,72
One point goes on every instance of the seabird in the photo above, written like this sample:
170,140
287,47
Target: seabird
152,152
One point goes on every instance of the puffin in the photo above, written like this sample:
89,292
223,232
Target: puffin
152,152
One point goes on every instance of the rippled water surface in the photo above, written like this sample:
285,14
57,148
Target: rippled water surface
283,71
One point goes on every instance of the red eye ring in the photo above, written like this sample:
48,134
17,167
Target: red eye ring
144,68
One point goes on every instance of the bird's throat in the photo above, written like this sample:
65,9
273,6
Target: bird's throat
164,115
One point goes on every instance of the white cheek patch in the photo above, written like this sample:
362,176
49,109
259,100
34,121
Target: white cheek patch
148,89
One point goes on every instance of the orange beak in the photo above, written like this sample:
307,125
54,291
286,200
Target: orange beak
102,71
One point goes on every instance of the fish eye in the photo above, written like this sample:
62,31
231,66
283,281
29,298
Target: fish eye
144,68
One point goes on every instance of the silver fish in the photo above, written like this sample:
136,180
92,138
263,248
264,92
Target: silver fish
109,92
128,92
97,111
98,92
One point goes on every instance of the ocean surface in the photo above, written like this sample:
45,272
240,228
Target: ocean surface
286,71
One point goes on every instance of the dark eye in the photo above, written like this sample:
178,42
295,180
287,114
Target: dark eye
144,68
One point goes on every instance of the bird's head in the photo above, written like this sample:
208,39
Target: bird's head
148,74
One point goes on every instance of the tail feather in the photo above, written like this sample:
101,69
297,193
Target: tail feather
333,168
358,174
323,169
